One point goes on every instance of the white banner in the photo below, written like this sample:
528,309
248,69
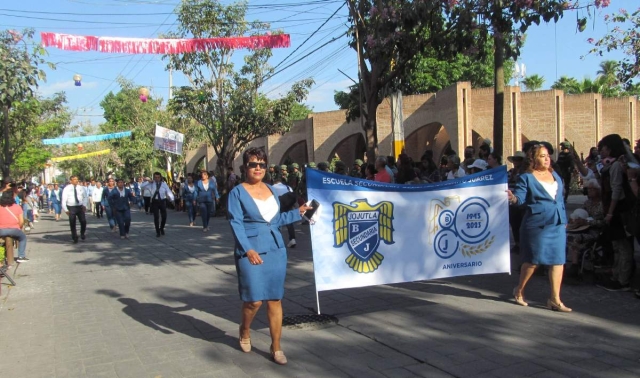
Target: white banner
369,233
168,140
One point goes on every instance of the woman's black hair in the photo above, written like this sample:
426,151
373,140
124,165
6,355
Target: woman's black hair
497,157
428,156
7,199
371,168
254,151
615,145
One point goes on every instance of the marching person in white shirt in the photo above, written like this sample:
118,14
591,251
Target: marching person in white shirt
96,198
160,193
74,204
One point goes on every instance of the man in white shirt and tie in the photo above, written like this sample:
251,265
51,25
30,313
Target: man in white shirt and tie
160,192
74,204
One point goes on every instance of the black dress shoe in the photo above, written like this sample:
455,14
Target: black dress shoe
162,231
157,234
75,240
83,237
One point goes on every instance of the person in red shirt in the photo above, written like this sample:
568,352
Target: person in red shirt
382,175
11,221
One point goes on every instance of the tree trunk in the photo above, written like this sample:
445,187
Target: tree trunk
6,154
498,95
371,131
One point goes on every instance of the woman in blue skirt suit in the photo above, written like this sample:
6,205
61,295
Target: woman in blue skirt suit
260,253
543,237
55,196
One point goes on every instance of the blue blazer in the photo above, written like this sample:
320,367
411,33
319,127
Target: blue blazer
250,230
120,203
105,196
541,209
55,196
202,195
187,195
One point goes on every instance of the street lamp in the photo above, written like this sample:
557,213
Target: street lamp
520,73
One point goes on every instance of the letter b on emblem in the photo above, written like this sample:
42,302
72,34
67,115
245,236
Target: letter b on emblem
355,228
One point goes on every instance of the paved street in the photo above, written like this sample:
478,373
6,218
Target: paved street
169,307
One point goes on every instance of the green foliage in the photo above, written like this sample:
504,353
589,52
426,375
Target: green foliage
623,35
428,74
299,111
533,82
606,83
124,111
20,59
31,121
226,102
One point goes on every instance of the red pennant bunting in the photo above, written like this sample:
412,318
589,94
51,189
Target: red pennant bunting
160,46
69,41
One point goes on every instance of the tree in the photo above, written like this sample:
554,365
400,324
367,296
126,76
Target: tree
567,84
428,74
388,35
33,120
124,111
20,59
623,35
608,72
299,111
506,21
533,82
224,101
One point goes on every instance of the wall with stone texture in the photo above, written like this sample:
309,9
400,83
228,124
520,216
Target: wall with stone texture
456,116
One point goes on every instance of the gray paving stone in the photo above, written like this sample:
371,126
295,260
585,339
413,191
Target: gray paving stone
169,308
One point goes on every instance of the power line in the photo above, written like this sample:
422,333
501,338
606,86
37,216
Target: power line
312,34
291,64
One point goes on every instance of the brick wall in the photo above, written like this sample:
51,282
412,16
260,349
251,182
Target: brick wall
580,120
458,115
616,117
538,116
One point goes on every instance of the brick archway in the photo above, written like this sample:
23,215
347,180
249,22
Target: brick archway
297,153
349,149
432,136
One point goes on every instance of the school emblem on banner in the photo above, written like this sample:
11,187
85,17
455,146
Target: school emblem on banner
362,226
459,226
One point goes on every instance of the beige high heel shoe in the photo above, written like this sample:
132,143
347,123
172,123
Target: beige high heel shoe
278,356
559,306
519,298
245,344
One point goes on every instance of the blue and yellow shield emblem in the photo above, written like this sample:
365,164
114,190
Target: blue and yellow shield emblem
362,226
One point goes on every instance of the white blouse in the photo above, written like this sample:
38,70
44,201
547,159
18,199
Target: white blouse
268,208
551,188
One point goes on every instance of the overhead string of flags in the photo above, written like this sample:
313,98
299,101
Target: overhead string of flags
122,45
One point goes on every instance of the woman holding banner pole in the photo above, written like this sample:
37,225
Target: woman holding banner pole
543,237
253,211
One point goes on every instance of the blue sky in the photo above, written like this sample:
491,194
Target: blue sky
550,51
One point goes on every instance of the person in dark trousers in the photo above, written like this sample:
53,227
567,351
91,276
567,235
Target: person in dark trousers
160,193
565,162
145,187
74,204
120,200
206,196
106,205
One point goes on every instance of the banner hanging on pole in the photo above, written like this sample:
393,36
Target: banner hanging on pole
81,156
370,233
168,140
87,138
